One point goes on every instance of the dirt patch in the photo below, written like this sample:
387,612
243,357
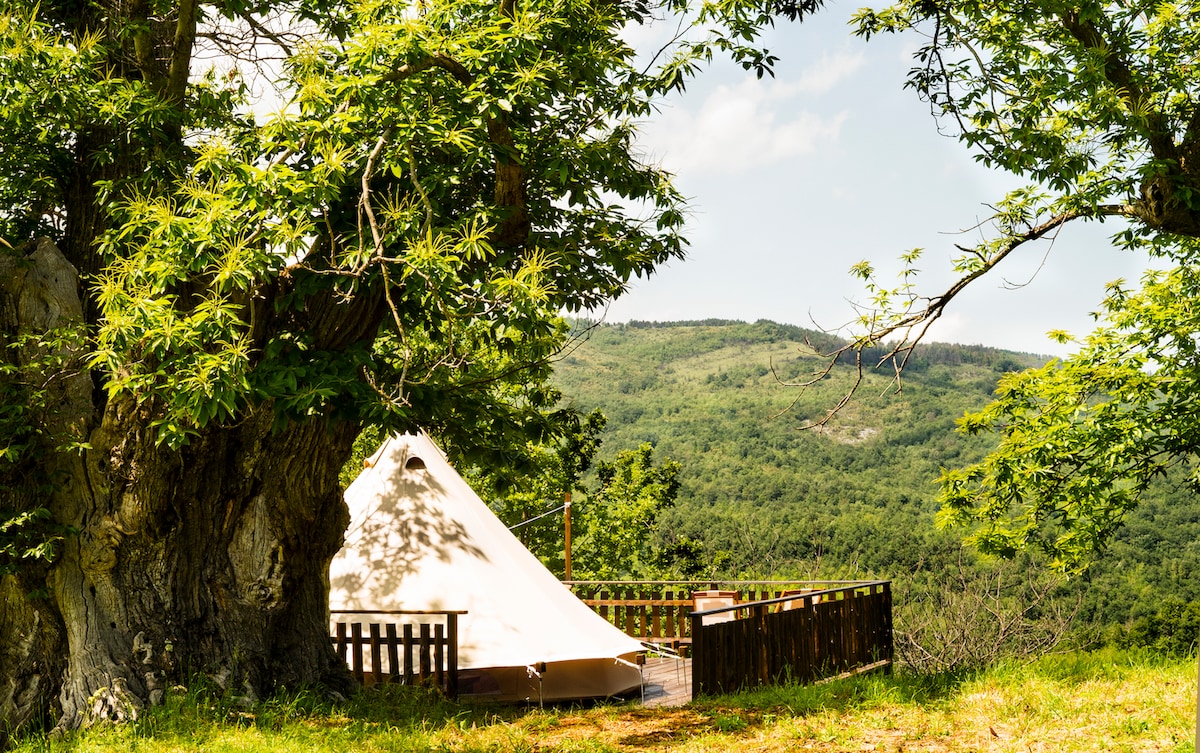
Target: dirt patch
635,729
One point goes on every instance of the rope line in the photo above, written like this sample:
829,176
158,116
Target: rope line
560,508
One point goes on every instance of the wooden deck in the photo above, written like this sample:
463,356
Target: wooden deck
747,634
667,681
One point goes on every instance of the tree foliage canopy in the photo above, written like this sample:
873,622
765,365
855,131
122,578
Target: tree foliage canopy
459,174
235,232
615,519
360,210
1098,105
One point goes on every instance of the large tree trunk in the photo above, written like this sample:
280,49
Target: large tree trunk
208,560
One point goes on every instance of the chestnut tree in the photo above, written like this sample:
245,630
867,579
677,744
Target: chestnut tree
234,233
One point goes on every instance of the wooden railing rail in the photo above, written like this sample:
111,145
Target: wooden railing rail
392,652
643,614
659,612
799,638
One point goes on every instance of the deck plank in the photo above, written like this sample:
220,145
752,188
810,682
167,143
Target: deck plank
667,681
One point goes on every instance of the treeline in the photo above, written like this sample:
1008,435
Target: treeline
704,332
764,496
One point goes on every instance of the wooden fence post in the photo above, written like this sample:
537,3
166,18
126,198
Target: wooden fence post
439,655
393,652
452,655
425,651
758,614
408,646
341,642
376,654
356,650
700,659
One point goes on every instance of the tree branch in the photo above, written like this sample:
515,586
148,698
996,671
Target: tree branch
263,31
436,60
181,51
364,201
1119,74
510,170
143,42
914,326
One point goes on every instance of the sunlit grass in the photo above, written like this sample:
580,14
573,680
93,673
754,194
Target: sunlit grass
1076,702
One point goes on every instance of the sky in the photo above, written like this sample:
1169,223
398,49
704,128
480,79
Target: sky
792,180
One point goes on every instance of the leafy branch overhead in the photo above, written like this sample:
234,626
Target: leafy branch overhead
1099,108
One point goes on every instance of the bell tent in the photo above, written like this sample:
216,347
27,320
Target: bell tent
421,539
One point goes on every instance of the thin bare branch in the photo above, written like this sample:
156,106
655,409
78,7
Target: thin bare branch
278,39
364,201
914,326
420,189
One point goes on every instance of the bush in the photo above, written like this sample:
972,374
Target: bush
1173,630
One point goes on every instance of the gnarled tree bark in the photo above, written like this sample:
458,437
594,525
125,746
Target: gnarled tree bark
210,559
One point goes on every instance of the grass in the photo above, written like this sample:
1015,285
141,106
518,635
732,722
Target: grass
1075,702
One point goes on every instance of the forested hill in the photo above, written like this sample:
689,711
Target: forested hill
756,485
853,499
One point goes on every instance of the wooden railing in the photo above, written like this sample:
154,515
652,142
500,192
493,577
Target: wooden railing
659,612
391,652
650,612
800,638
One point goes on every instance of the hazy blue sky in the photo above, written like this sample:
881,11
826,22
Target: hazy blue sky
794,179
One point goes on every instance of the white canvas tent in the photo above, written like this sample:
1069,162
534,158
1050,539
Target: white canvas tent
421,539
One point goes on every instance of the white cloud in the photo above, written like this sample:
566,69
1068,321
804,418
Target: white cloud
831,71
796,178
742,126
734,130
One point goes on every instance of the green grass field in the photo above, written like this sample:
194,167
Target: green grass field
1072,702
